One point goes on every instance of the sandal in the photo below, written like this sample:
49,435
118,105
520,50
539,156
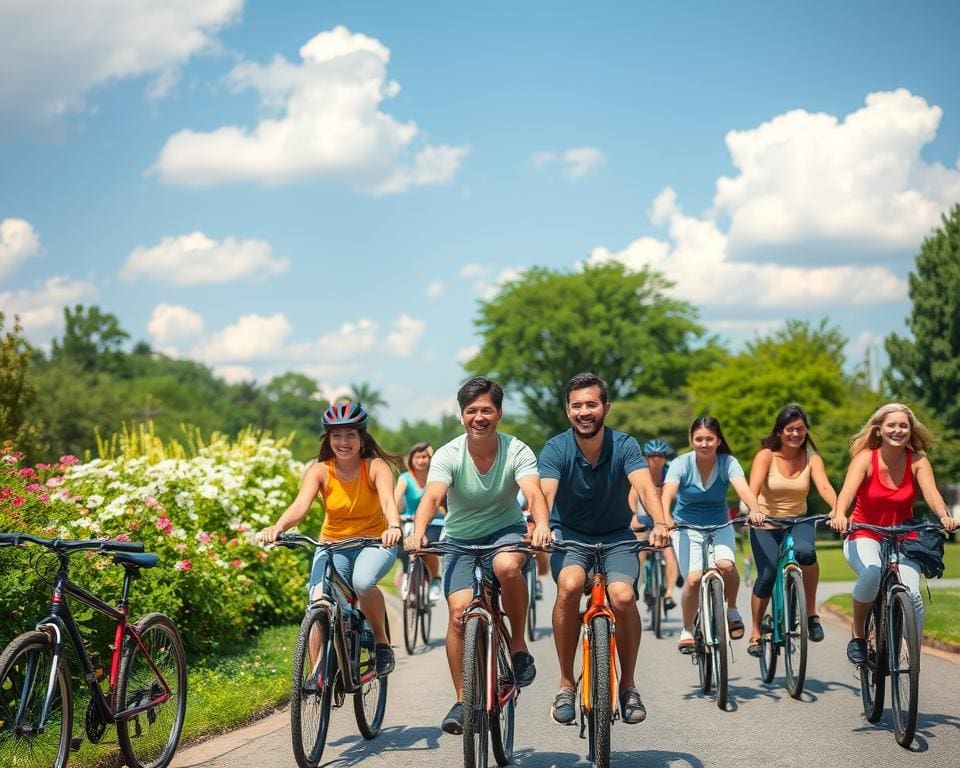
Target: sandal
735,624
755,648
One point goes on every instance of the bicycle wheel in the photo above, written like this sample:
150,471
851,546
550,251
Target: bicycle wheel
25,667
702,655
718,647
904,668
504,708
795,633
531,574
411,604
475,724
601,708
149,739
314,677
872,671
370,702
655,589
768,660
426,609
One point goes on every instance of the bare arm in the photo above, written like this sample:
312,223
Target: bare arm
382,479
748,497
313,481
923,472
668,494
530,485
399,495
432,496
818,473
759,469
642,484
856,473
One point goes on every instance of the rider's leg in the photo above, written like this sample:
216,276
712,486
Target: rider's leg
629,629
508,568
370,566
765,546
672,571
863,555
566,619
805,550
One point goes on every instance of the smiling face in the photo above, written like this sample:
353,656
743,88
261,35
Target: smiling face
705,442
586,411
345,443
480,416
420,461
895,429
794,434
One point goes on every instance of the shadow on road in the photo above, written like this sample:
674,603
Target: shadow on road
650,758
392,739
925,725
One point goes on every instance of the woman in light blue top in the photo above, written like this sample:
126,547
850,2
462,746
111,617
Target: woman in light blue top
407,495
699,480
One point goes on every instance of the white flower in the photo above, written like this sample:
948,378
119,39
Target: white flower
94,501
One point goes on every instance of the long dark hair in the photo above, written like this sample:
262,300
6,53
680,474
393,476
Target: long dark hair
710,423
792,412
369,448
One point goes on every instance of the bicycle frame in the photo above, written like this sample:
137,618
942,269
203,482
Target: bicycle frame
786,563
709,573
598,606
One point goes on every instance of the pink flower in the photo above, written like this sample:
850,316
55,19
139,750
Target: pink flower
203,537
27,472
181,547
151,502
69,459
164,524
6,492
43,497
41,466
182,565
123,537
54,482
17,501
134,525
235,563
34,487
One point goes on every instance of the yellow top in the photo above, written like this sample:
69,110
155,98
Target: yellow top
353,508
782,496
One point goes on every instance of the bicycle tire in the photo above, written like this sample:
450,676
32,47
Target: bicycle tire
656,590
872,672
150,739
601,707
718,648
425,609
370,702
904,668
25,667
314,678
530,572
503,721
702,656
411,605
475,725
794,633
768,647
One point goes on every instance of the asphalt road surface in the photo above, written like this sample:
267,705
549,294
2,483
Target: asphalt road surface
762,725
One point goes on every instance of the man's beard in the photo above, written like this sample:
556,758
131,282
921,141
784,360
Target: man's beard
594,429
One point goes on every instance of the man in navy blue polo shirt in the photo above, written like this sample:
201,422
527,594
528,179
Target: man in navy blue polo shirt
586,474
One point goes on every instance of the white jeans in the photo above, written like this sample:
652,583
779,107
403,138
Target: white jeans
863,555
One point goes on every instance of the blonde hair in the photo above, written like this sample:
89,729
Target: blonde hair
868,437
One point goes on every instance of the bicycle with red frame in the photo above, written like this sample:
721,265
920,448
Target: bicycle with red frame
490,689
599,694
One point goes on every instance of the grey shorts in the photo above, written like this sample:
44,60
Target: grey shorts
622,565
458,569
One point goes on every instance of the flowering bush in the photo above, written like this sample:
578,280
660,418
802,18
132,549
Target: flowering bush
198,513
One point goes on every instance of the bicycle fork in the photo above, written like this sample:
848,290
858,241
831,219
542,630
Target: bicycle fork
706,609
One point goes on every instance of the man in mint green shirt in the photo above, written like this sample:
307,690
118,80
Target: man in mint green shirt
480,473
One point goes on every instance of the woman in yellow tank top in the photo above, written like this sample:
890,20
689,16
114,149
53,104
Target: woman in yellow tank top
353,475
780,477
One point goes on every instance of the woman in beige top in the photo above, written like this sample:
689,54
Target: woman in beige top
780,477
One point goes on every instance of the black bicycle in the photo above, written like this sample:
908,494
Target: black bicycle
336,655
146,696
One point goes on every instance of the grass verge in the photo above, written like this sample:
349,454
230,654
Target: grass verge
941,616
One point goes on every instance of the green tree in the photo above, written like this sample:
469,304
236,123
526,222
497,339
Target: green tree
17,392
548,325
297,407
798,363
926,368
91,339
371,398
668,418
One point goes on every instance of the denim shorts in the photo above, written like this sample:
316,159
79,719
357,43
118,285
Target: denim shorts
458,569
621,565
361,567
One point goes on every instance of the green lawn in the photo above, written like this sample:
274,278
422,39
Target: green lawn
942,615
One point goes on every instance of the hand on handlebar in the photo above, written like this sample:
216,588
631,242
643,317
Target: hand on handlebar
269,534
660,536
757,518
541,538
391,536
839,522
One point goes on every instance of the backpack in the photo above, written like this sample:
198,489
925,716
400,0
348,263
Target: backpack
926,551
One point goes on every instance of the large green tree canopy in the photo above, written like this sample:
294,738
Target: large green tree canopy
548,325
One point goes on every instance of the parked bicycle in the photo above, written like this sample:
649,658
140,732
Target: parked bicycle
599,694
146,694
335,656
711,644
490,689
784,625
893,639
417,606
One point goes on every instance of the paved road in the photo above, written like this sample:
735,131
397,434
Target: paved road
683,728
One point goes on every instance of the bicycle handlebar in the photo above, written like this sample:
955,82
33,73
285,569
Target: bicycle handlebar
480,551
741,520
67,546
789,522
629,546
292,540
893,530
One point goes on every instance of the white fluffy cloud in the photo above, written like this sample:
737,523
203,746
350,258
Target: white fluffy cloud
322,118
195,258
234,374
406,334
349,341
55,53
41,309
859,180
435,289
251,337
171,323
466,354
574,163
18,242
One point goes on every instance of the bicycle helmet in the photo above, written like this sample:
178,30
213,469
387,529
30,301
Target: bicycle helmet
657,447
345,415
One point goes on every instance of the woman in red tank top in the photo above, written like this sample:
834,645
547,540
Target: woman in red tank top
887,467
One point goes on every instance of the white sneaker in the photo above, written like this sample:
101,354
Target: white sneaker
435,591
403,588
686,641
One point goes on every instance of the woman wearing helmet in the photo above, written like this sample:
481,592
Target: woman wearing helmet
354,477
657,452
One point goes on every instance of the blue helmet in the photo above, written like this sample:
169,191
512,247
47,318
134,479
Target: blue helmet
345,415
657,447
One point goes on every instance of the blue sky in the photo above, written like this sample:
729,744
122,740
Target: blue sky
330,187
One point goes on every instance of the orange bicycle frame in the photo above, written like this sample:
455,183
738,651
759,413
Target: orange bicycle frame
597,606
